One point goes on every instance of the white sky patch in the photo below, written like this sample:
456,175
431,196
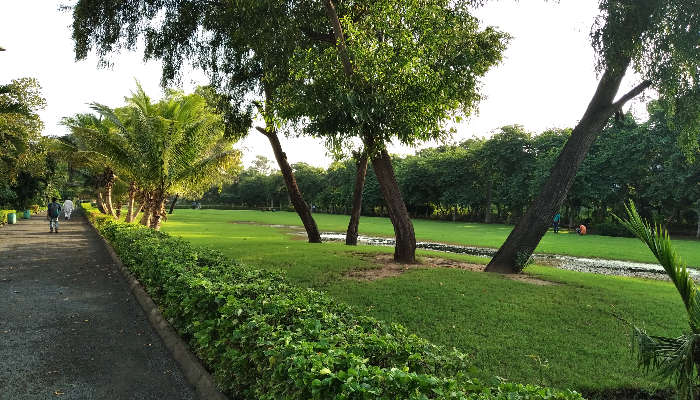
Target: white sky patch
545,81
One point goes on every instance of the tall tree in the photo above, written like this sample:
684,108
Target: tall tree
393,70
658,40
243,46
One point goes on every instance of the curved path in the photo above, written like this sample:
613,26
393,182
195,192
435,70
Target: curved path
69,326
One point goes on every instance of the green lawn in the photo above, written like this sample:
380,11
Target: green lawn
474,234
504,324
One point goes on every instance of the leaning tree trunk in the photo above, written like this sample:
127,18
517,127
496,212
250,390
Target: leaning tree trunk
295,196
351,235
524,238
109,184
157,207
137,211
172,204
101,203
146,207
130,206
405,250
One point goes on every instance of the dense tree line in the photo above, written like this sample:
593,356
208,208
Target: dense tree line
495,180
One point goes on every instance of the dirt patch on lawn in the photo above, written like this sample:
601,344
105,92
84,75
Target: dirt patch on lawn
388,268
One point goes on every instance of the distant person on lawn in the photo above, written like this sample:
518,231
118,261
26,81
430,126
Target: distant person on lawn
581,230
52,213
67,209
557,219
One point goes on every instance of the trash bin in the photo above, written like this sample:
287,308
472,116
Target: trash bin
12,218
27,214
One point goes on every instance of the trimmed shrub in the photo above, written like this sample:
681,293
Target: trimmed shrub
611,229
264,338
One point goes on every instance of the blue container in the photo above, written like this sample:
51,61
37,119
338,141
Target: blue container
27,214
12,218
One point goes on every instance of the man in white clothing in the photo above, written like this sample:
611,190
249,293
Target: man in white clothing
67,208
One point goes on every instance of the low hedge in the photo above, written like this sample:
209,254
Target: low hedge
3,216
611,229
264,338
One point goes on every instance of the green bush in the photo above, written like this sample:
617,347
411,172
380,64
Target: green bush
266,339
3,216
611,229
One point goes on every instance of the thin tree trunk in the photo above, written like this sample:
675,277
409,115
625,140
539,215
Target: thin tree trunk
405,250
295,196
526,235
697,233
172,204
361,174
130,206
119,209
489,196
109,184
138,210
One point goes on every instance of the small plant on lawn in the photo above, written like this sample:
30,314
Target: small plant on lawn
673,358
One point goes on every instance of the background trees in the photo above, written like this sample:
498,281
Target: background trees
630,160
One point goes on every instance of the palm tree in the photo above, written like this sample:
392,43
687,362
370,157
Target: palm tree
673,358
174,146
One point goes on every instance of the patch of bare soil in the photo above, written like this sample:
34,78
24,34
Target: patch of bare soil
388,268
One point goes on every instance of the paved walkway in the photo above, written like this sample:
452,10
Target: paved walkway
69,326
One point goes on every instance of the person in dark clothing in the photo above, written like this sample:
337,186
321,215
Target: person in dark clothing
52,213
557,219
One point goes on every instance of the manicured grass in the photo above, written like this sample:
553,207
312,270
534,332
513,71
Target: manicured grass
505,325
474,234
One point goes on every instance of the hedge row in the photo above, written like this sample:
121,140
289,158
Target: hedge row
264,338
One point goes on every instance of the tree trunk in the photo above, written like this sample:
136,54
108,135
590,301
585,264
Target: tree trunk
130,207
697,233
119,209
109,184
295,196
101,203
172,205
351,235
526,235
146,207
489,196
157,208
405,250
138,210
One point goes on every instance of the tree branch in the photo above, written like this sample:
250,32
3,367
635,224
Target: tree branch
631,94
318,36
261,130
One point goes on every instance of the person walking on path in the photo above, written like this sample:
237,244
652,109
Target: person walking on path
70,328
67,209
557,219
52,213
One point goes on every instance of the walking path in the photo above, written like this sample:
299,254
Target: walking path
69,326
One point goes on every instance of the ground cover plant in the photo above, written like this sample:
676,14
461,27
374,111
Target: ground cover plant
267,339
558,335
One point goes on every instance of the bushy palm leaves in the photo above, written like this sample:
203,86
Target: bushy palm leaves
176,145
673,358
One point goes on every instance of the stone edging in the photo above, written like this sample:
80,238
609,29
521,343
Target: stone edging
194,372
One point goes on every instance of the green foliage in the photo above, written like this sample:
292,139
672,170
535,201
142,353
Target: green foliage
3,216
500,322
265,338
612,229
672,358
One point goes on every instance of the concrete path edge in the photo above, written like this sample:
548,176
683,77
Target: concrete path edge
194,371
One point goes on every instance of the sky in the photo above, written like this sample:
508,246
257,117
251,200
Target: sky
545,80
